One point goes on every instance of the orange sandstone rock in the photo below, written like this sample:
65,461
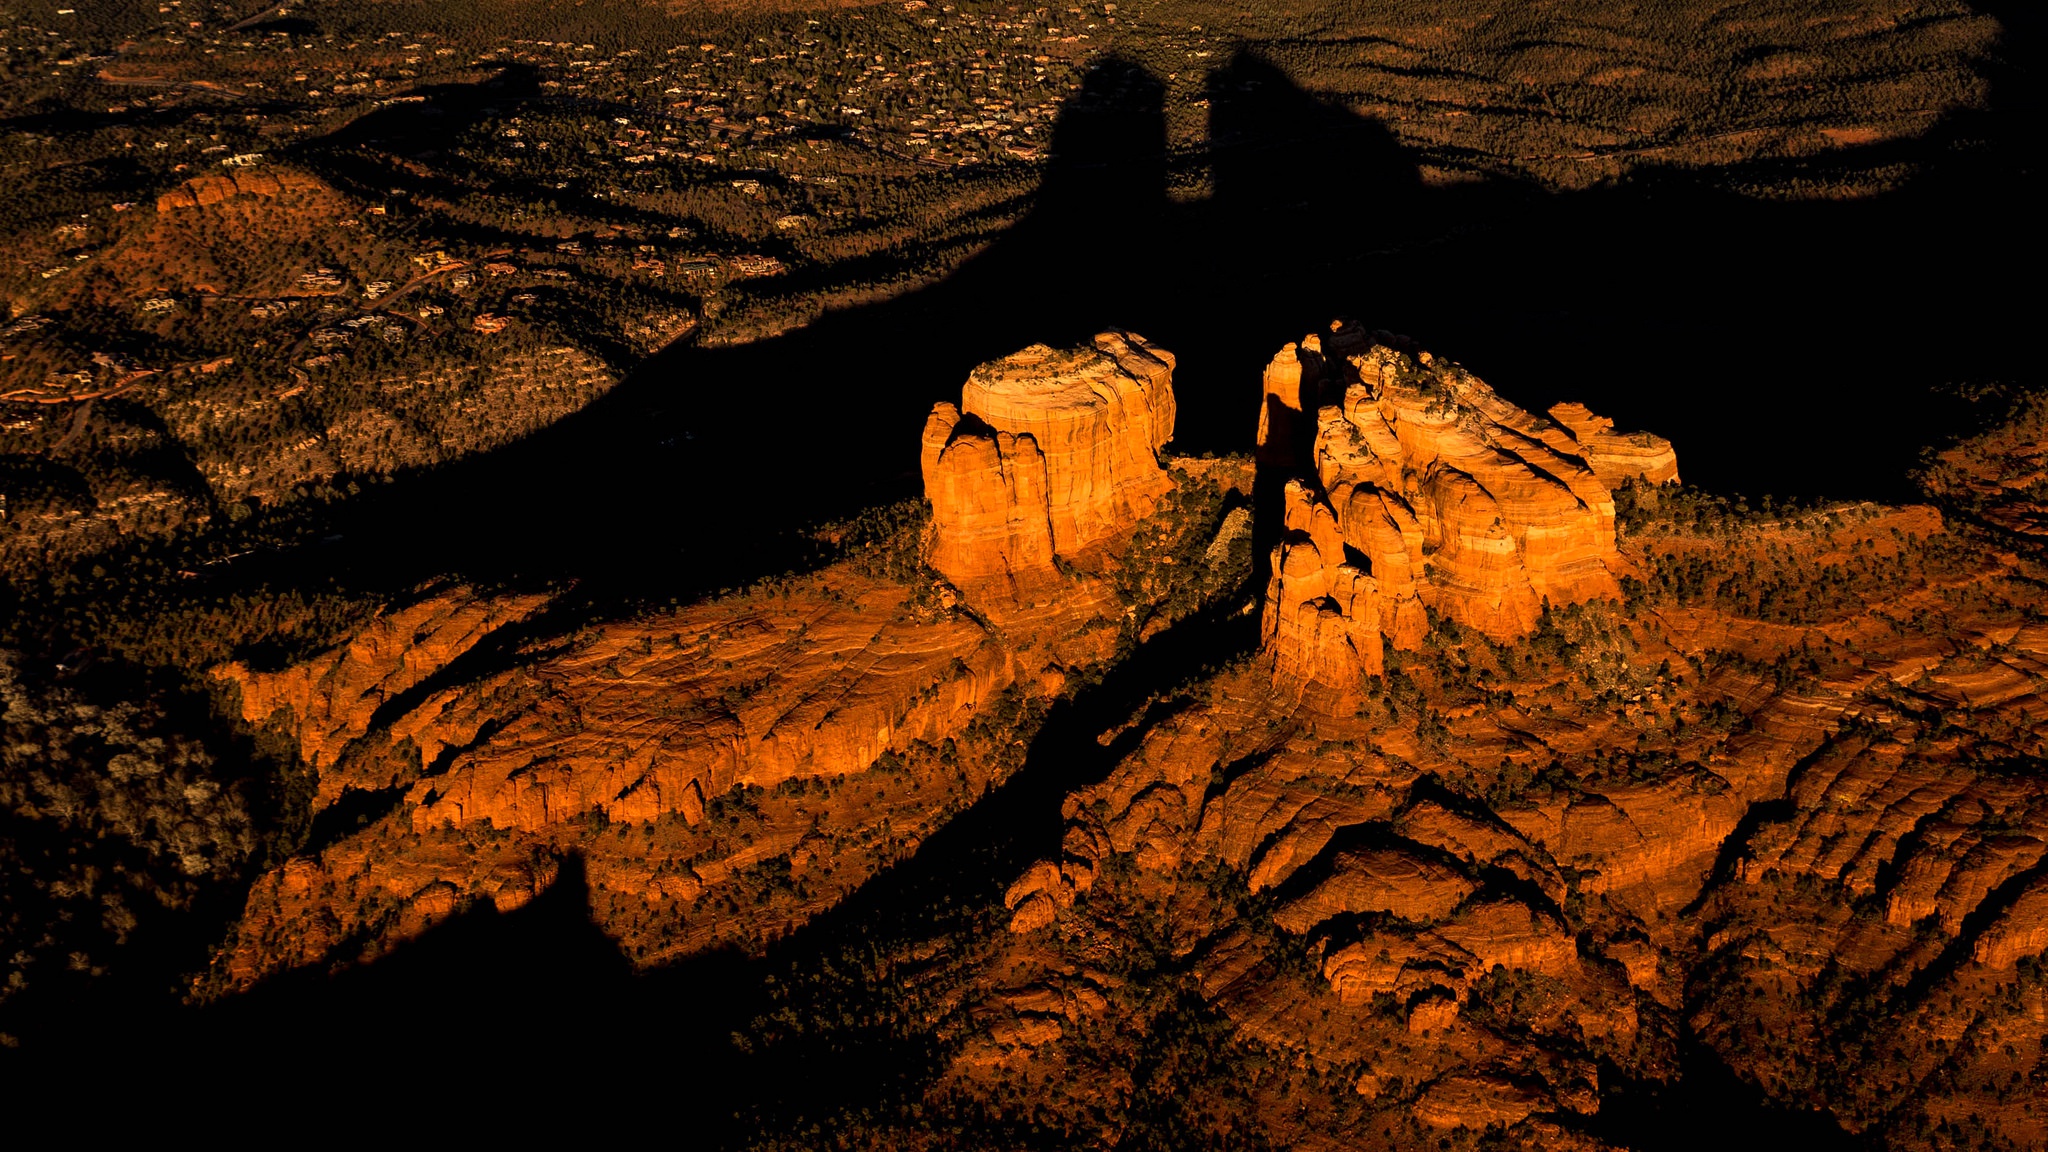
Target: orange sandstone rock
1617,457
1289,385
1378,880
1048,453
1810,828
1324,611
651,725
644,721
212,189
1428,491
331,700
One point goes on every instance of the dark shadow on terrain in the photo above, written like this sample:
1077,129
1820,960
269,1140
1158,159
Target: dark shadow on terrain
387,146
354,810
1708,1108
351,157
290,25
698,471
1790,348
484,999
1785,347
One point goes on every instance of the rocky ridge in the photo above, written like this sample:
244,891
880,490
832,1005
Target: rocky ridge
1505,873
692,758
1764,785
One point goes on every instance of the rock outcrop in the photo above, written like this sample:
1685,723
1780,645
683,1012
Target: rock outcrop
1424,490
637,724
330,700
1808,829
1999,477
201,191
1783,802
1786,800
1049,452
694,759
1616,457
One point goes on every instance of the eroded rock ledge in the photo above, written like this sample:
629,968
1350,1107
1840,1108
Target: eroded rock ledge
1782,800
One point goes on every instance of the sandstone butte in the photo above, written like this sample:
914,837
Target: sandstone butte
1418,488
1048,453
484,770
1781,800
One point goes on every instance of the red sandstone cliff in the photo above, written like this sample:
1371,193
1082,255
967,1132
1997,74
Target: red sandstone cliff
686,756
1425,490
330,701
1784,800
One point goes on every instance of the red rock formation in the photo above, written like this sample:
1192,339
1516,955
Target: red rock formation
1377,880
648,723
1289,388
212,189
329,701
1785,800
1429,491
1050,452
778,694
1324,610
1617,457
1999,476
1817,840
756,706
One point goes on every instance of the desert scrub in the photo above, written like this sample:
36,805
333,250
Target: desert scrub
886,542
122,810
1194,547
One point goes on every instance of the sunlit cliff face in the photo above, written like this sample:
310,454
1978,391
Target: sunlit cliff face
1524,776
1495,865
1049,453
704,759
1423,490
464,588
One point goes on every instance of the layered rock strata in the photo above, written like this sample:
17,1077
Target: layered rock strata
1049,452
1784,802
1807,829
329,701
693,760
1419,488
752,706
1616,457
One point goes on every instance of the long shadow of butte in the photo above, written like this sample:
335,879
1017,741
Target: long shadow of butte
1786,347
